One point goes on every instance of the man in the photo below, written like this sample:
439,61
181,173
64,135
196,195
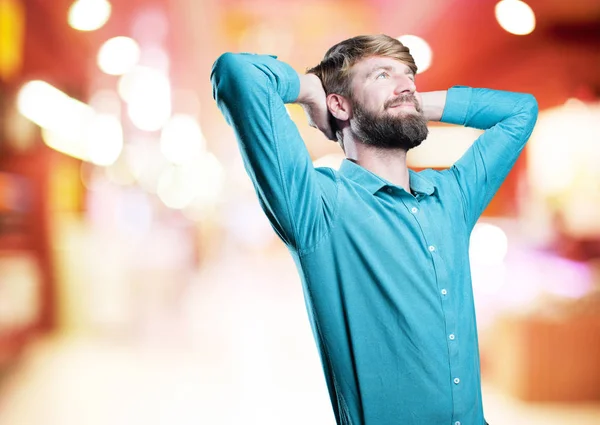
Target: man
382,251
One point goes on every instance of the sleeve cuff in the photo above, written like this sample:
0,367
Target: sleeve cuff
291,90
458,100
293,87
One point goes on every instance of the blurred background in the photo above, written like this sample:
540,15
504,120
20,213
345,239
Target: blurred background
141,284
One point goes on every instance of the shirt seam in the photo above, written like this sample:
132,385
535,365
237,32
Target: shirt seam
339,394
294,229
512,114
309,249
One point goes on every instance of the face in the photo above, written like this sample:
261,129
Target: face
385,110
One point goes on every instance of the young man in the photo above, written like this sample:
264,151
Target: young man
382,251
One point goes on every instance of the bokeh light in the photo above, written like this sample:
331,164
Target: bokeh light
147,92
177,186
489,244
118,55
196,184
89,15
104,139
181,139
420,51
49,107
515,16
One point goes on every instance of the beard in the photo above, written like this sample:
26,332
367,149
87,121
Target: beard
385,131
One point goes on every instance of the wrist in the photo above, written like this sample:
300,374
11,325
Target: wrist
433,104
310,87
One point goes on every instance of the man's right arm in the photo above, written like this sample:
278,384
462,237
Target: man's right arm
251,92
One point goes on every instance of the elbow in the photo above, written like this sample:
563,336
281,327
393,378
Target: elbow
225,72
225,64
530,106
529,114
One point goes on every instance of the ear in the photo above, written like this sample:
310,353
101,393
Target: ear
339,106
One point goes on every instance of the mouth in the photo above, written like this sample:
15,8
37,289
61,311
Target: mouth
399,106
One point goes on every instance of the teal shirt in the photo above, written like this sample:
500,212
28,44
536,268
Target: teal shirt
385,273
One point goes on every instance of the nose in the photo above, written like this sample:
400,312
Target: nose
404,85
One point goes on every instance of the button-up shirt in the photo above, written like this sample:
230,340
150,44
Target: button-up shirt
385,272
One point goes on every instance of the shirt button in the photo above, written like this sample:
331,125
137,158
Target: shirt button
444,292
431,248
457,423
451,336
414,210
389,190
456,381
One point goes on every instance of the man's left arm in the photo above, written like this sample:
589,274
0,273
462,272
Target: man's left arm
508,119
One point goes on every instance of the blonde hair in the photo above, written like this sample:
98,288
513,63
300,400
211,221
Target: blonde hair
334,69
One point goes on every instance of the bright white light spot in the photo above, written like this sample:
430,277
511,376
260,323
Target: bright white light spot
515,16
420,51
104,139
212,177
89,15
118,55
176,186
148,94
135,83
181,139
70,126
194,185
64,120
489,244
557,169
209,191
49,107
106,102
149,115
67,142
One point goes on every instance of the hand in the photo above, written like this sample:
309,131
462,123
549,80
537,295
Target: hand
433,103
312,98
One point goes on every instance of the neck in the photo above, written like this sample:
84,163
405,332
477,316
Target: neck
389,164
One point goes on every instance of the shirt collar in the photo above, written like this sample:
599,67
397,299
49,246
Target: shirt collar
372,182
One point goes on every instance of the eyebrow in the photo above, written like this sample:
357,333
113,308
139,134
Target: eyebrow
388,68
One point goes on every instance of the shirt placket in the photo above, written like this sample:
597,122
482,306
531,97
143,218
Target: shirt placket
417,207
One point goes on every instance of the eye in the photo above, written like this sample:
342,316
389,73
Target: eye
383,74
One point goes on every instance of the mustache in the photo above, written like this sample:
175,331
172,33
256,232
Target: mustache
403,98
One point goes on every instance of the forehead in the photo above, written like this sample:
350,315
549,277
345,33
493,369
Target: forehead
363,67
